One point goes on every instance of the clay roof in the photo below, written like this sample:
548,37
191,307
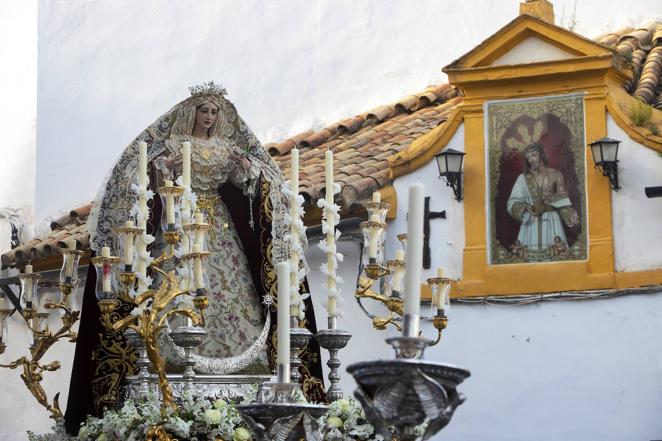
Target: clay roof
643,48
69,226
363,144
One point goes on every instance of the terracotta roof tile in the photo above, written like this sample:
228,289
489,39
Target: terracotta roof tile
71,226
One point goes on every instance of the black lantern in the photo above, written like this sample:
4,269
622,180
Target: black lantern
605,156
450,168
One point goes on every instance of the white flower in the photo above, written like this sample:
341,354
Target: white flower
220,404
241,434
334,421
213,416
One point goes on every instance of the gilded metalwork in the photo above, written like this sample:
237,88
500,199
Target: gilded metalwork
149,323
33,369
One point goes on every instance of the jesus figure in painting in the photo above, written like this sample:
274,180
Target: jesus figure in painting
539,202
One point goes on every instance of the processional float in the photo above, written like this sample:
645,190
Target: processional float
397,395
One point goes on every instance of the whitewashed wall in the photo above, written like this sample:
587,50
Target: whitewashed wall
18,112
108,69
636,219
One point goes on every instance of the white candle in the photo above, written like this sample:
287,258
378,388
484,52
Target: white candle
376,197
105,252
142,164
186,164
69,258
170,205
330,234
198,235
197,269
127,238
412,303
283,273
27,295
374,232
294,234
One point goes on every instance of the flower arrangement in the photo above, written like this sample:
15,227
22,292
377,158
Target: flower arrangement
345,421
196,420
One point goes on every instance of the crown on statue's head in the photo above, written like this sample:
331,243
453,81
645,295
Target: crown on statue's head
209,88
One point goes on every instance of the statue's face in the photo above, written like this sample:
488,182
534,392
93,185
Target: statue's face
206,115
533,159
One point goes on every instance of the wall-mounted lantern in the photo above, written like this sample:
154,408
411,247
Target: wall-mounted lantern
450,168
605,156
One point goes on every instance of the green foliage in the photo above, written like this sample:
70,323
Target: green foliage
640,113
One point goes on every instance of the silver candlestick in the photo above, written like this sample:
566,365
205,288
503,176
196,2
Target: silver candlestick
299,339
188,337
143,363
333,340
405,392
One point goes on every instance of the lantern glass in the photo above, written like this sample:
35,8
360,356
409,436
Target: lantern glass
106,286
127,252
4,328
29,284
450,161
69,270
604,150
373,239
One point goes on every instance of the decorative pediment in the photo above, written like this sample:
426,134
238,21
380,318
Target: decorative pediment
527,39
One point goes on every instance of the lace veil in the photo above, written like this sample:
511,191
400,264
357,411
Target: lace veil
114,199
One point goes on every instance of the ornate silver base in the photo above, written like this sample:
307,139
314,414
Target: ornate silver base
299,339
142,379
233,388
283,421
333,340
408,347
188,337
404,393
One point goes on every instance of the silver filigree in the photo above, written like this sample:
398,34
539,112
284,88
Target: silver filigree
208,88
333,340
404,393
229,365
283,421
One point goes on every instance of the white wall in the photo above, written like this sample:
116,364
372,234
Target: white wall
532,50
18,89
446,235
108,69
636,219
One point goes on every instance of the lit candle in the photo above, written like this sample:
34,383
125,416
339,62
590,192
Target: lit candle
330,235
170,206
142,164
27,295
294,234
412,303
283,360
197,269
374,232
127,239
186,164
105,252
69,258
376,197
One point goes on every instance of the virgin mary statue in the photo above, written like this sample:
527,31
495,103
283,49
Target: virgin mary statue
238,187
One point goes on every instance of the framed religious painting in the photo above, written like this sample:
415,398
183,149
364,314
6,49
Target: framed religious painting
536,180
